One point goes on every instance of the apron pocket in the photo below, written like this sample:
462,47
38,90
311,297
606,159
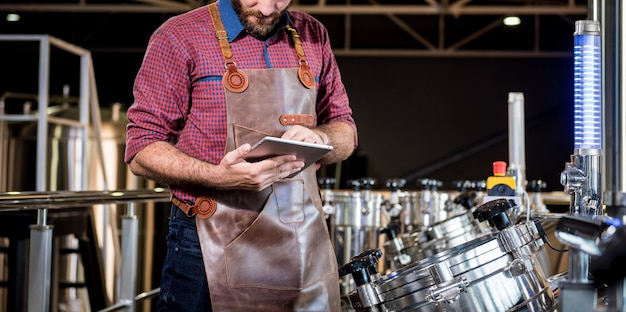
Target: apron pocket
289,195
266,255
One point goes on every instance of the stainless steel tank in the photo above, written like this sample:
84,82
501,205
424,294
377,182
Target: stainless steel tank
67,154
18,148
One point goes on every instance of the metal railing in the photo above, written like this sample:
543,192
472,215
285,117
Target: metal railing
40,255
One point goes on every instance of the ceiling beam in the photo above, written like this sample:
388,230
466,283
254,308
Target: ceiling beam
165,4
313,9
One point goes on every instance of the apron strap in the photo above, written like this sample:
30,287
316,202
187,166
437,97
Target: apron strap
234,80
304,73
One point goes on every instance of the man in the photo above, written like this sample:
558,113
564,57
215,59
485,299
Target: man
214,81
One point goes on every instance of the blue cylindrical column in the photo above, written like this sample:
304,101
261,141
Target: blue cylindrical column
587,85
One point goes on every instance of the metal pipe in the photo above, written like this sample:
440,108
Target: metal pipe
4,148
40,253
517,142
614,69
116,307
81,164
147,295
39,268
593,10
124,304
17,201
614,66
42,123
128,278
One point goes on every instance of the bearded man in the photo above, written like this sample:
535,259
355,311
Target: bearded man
243,236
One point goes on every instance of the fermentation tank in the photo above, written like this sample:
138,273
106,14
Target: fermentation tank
65,162
64,148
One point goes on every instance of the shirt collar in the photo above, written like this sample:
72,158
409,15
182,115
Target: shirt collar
231,21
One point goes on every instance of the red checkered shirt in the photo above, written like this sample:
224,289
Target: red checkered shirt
178,90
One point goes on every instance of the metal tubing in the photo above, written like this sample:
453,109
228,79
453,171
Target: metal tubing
116,307
147,295
42,123
39,268
40,255
42,217
96,118
517,142
81,165
593,10
614,69
578,266
614,84
16,201
4,148
128,278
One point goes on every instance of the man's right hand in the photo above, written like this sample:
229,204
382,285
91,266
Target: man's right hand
234,172
163,162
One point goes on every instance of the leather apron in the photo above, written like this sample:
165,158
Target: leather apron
269,250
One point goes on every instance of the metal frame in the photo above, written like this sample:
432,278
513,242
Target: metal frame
431,7
41,239
46,42
41,233
393,12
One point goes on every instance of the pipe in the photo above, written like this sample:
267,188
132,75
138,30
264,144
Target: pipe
517,142
128,278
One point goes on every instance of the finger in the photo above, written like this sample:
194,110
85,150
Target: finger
238,154
295,133
290,168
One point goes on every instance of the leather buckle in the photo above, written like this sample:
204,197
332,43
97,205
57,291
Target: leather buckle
205,207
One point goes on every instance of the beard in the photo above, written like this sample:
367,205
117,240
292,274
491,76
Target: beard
255,23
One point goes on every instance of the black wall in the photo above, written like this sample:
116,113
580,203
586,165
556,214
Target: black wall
447,118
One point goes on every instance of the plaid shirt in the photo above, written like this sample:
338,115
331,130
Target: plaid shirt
178,90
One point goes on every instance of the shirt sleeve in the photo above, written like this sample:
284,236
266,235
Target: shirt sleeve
332,99
160,93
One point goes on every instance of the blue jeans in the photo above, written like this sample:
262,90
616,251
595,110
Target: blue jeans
183,285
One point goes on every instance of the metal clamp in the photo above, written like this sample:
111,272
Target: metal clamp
447,291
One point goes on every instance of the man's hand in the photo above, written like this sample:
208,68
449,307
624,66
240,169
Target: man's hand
164,163
337,134
234,172
303,134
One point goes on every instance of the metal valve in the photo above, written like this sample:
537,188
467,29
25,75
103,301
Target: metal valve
391,232
394,208
495,212
362,266
327,200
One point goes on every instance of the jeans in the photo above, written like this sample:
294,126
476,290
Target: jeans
183,285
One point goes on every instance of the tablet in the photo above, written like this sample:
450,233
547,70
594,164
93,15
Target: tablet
273,146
